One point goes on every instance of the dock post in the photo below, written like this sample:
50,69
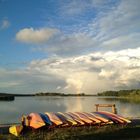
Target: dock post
97,105
114,109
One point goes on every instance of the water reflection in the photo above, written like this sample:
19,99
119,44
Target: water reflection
123,100
12,111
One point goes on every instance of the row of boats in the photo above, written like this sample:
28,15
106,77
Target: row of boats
62,119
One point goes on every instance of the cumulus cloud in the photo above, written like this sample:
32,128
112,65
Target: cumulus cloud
35,36
5,23
90,73
96,71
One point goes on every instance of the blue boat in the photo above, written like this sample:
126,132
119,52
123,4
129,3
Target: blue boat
45,118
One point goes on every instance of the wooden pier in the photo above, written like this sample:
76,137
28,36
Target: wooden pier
113,106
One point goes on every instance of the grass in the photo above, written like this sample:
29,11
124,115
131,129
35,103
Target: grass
81,133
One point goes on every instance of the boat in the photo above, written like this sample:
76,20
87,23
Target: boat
16,129
101,118
63,119
46,119
35,121
54,119
68,118
92,117
83,118
124,120
76,118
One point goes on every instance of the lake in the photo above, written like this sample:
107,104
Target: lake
12,111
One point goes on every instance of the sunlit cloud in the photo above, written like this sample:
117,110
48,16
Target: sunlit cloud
35,36
86,73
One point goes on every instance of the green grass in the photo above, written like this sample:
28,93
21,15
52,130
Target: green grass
81,133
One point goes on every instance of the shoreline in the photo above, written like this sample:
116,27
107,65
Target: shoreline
4,128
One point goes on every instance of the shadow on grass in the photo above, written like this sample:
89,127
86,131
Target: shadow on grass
86,133
125,133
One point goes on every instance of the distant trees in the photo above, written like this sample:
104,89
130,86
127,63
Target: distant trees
58,94
132,92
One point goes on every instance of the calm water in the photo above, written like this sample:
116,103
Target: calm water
12,111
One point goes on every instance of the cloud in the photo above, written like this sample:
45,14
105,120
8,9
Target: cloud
116,28
35,36
127,41
80,7
108,70
123,19
70,8
5,23
90,73
102,55
69,45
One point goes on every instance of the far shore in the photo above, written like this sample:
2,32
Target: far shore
11,97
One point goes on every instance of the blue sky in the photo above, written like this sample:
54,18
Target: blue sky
50,45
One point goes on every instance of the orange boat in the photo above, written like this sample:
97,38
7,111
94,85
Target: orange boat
35,121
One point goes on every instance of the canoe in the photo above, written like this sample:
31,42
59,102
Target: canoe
102,119
54,119
35,121
16,129
92,117
45,118
63,119
83,118
115,119
76,118
68,118
116,116
111,118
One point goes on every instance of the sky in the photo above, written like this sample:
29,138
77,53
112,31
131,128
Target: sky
69,46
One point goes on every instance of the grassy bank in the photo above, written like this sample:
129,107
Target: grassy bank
85,133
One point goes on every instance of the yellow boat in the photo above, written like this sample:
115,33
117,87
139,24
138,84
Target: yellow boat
16,129
68,118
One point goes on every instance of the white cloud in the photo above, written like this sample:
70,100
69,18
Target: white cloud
96,71
90,73
5,23
122,20
35,36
